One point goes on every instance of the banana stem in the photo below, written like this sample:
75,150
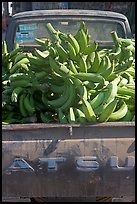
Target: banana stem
115,38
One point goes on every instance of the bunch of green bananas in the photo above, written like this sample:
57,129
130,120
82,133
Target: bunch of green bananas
69,80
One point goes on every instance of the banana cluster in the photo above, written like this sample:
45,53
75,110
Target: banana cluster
69,80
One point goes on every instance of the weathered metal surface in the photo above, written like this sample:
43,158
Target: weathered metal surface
53,160
15,199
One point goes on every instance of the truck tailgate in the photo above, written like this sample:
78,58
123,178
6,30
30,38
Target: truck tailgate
68,160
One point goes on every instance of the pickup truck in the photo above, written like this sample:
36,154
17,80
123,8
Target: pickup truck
68,162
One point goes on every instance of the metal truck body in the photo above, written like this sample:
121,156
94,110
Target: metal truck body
56,160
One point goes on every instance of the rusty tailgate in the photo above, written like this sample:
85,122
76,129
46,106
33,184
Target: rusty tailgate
57,160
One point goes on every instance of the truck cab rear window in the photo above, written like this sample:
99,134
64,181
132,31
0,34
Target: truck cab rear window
99,30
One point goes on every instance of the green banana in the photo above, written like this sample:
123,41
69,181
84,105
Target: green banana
107,111
40,54
122,68
115,38
88,39
99,110
61,51
125,98
52,32
55,66
57,79
91,48
72,66
57,88
126,91
96,63
44,118
19,76
40,42
15,94
74,43
82,64
43,43
39,105
5,76
128,116
105,51
63,36
37,86
44,98
23,68
90,60
127,54
4,48
71,98
112,76
36,61
121,58
64,44
71,51
32,102
21,83
39,68
116,54
6,90
71,115
112,90
131,107
129,77
82,40
59,68
106,65
20,57
80,88
102,65
123,81
130,48
5,60
9,66
89,77
97,100
120,113
69,80
14,52
6,82
41,75
106,73
127,41
28,106
110,93
108,62
81,118
16,66
53,51
62,117
23,111
83,94
83,26
16,45
62,99
90,85
131,71
130,86
88,111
